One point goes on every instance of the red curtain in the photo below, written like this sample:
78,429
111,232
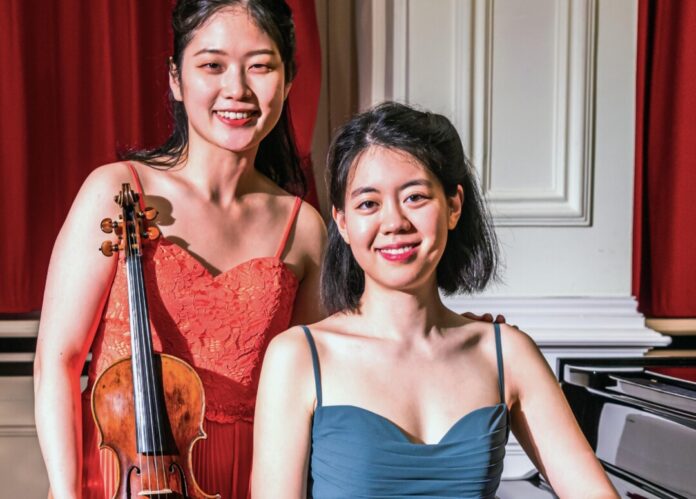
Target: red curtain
664,262
303,100
81,80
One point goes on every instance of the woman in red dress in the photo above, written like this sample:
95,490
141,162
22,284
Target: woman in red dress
237,262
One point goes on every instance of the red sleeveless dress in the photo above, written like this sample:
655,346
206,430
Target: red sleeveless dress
221,325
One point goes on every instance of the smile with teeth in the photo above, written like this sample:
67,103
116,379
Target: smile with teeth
230,115
399,250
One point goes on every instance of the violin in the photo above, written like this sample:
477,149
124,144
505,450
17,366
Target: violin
148,407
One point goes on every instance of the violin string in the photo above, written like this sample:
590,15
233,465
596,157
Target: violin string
135,354
150,375
142,322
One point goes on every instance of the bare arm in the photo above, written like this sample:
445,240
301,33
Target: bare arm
77,285
545,425
310,239
282,423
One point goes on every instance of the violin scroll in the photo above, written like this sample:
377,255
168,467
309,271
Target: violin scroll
128,199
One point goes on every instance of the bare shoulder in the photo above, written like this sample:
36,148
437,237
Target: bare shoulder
105,181
288,369
516,341
310,230
524,364
288,351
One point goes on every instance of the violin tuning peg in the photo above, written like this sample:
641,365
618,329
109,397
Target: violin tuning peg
150,213
108,248
152,233
107,225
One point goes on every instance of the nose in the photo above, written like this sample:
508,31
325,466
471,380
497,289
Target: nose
234,84
394,220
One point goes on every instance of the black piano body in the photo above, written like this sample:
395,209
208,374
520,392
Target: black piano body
639,415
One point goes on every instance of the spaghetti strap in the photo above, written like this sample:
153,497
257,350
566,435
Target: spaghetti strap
499,353
288,227
138,186
315,362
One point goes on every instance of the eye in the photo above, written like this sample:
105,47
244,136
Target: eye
366,205
260,68
415,197
213,67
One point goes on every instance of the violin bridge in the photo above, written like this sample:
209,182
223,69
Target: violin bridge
156,493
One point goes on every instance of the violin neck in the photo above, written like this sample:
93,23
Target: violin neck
141,335
152,432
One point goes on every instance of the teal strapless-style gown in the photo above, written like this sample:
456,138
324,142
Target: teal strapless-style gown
357,453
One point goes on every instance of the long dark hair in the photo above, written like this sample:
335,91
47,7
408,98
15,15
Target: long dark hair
470,259
277,157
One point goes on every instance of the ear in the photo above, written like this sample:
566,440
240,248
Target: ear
339,218
288,86
175,81
454,203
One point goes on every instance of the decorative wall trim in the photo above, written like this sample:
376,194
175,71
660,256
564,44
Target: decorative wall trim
612,323
389,51
568,202
19,328
21,431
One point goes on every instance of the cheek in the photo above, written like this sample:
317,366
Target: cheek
359,230
273,84
196,89
435,225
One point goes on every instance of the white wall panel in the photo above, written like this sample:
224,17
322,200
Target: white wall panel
542,92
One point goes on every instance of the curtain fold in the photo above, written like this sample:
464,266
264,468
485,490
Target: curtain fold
664,256
303,100
80,81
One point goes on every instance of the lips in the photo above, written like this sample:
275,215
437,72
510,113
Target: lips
398,252
236,118
236,115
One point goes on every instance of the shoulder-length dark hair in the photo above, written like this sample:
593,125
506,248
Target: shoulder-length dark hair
277,157
470,259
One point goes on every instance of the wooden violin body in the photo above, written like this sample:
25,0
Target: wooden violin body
148,407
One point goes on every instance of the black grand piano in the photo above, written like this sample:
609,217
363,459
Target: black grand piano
639,415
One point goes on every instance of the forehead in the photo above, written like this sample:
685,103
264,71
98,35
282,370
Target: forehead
381,165
231,29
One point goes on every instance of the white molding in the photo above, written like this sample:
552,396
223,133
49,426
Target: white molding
389,51
400,50
610,323
14,431
568,201
378,52
19,328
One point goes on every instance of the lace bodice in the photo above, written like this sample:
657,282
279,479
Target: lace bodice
221,324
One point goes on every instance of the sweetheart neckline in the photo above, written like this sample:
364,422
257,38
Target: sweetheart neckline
402,433
197,262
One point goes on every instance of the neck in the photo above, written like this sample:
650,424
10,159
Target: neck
220,175
402,315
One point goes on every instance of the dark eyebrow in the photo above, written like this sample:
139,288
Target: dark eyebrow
367,190
362,190
421,181
248,54
210,51
261,52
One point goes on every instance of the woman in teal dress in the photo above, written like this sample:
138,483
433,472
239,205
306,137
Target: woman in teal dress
394,395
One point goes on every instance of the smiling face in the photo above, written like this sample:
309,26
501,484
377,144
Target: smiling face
231,81
396,218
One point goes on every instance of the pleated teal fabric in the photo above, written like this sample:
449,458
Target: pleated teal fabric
357,453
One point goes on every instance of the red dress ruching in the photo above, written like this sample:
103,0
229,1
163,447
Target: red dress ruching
221,325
